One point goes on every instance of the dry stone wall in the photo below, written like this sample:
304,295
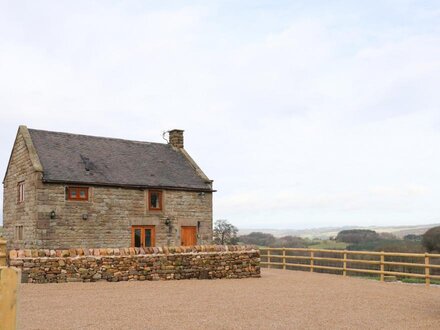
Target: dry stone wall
131,264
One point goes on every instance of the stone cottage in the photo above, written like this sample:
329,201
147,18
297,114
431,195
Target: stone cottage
66,190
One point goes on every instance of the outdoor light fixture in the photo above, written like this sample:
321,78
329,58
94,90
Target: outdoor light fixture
167,221
202,194
52,215
85,216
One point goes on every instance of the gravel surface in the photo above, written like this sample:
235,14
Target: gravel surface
277,300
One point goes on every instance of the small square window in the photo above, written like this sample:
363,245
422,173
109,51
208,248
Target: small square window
154,200
21,192
77,193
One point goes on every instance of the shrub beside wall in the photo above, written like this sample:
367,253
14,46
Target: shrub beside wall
167,263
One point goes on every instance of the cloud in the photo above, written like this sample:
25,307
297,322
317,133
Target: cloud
322,115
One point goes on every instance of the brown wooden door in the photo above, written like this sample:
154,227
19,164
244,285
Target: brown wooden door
188,235
143,236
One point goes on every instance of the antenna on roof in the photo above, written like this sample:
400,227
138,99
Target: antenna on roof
163,136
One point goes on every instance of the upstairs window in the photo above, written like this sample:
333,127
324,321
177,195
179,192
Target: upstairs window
154,200
77,193
21,192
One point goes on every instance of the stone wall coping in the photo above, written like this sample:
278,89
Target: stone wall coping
114,252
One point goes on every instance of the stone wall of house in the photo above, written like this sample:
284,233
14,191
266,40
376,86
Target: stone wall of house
111,212
167,263
15,213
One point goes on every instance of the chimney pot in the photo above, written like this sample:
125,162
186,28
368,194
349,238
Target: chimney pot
176,138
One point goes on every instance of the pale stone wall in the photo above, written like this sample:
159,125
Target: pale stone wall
20,214
110,211
167,263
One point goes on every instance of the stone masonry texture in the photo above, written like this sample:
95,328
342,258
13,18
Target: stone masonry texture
104,221
131,264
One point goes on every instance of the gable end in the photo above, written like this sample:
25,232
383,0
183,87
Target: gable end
36,164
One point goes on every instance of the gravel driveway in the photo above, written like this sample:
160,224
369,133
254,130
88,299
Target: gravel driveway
278,300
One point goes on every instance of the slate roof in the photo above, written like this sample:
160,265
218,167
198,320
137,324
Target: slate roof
73,158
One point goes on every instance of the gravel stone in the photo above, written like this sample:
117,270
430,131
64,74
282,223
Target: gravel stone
277,300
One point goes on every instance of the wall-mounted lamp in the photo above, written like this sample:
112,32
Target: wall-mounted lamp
52,214
85,216
202,194
168,222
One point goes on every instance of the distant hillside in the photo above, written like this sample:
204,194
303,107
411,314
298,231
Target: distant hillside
326,232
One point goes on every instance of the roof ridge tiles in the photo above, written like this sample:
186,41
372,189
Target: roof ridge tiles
97,137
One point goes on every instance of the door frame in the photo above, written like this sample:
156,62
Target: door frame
142,228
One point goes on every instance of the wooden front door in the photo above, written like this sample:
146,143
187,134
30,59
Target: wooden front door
188,235
143,236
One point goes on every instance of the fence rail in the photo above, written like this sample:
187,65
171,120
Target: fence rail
375,263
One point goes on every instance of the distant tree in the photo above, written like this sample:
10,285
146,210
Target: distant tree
356,236
290,242
394,245
413,237
387,235
258,238
225,233
431,239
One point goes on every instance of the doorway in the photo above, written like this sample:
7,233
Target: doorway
188,235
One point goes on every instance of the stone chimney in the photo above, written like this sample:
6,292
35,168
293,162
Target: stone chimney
176,138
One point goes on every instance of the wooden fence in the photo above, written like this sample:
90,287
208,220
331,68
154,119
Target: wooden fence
416,265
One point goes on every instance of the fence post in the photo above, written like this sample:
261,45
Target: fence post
344,272
284,258
268,257
427,278
382,266
312,255
9,278
2,252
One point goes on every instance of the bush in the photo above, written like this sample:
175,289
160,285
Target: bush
357,236
388,245
413,237
431,240
291,242
258,238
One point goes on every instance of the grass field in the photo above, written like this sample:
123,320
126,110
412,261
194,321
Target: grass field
329,245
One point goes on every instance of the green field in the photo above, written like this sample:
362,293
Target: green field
329,245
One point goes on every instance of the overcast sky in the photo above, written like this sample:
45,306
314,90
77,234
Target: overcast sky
304,113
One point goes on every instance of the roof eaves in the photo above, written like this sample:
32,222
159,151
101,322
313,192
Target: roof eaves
207,189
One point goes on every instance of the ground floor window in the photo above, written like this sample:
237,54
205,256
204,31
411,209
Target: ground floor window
19,233
143,236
